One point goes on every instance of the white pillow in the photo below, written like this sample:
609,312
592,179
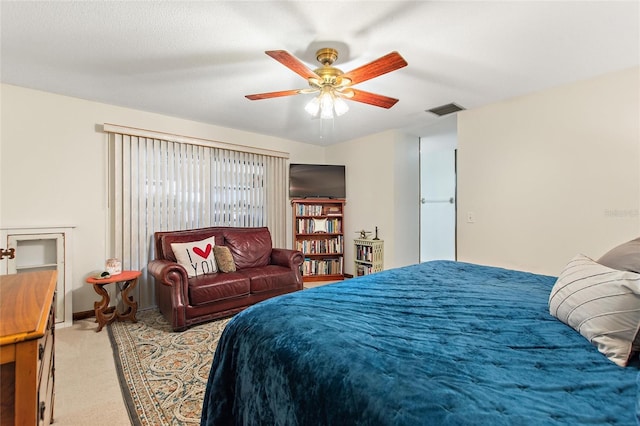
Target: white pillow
196,257
602,304
625,257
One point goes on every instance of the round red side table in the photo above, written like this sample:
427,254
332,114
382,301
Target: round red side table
128,280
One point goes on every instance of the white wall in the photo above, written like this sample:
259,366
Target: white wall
551,174
53,167
382,176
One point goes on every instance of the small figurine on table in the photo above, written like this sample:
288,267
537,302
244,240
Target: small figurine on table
364,234
376,237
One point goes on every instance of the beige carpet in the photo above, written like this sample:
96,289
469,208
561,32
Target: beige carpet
87,391
163,374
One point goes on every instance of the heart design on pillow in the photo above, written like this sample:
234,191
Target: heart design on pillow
203,253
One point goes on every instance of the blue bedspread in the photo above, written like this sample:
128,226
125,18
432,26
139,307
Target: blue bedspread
440,343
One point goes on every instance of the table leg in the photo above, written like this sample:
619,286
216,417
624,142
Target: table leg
132,305
102,317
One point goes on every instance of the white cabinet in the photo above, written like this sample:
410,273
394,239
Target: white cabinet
369,256
41,249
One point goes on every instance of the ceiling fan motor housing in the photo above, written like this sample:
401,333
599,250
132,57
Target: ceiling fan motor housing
329,74
327,56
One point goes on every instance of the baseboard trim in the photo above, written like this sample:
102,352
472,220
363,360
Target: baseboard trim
77,316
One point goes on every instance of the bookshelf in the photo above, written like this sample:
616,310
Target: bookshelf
369,256
318,232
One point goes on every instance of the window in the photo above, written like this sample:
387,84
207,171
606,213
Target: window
159,184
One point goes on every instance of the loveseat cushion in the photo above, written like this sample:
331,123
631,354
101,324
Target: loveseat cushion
214,287
270,277
250,247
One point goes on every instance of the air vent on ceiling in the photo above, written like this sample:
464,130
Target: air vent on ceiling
445,109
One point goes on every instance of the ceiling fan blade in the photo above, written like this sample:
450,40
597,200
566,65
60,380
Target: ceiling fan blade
372,99
383,65
291,62
269,95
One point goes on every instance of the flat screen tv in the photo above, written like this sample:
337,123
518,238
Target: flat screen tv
316,181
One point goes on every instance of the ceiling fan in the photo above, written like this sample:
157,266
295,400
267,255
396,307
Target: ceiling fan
332,84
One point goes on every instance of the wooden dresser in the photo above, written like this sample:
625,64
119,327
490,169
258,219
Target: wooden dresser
27,327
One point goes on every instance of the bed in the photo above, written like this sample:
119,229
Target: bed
439,343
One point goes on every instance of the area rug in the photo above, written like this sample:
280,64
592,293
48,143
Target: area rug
163,374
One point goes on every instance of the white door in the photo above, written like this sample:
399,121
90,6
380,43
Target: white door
438,202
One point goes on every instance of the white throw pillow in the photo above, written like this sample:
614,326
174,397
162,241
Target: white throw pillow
196,257
602,304
625,257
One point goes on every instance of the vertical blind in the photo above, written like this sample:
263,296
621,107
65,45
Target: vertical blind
156,184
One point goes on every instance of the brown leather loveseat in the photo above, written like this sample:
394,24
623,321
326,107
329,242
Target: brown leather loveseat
261,272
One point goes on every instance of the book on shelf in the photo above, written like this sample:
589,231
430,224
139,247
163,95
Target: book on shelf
326,246
364,253
311,226
363,270
329,266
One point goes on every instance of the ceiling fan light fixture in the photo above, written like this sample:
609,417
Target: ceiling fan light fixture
326,105
313,106
340,106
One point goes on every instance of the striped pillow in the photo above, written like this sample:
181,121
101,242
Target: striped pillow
602,304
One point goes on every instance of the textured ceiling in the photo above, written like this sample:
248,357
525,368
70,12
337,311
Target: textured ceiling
197,60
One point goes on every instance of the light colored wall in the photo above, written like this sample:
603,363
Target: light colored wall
53,167
551,174
382,190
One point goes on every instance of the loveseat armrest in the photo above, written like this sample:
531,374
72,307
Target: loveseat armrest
171,274
161,269
288,258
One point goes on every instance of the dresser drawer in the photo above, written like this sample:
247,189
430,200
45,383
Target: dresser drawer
46,377
46,397
45,347
45,356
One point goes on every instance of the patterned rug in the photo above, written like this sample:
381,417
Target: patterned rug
163,374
